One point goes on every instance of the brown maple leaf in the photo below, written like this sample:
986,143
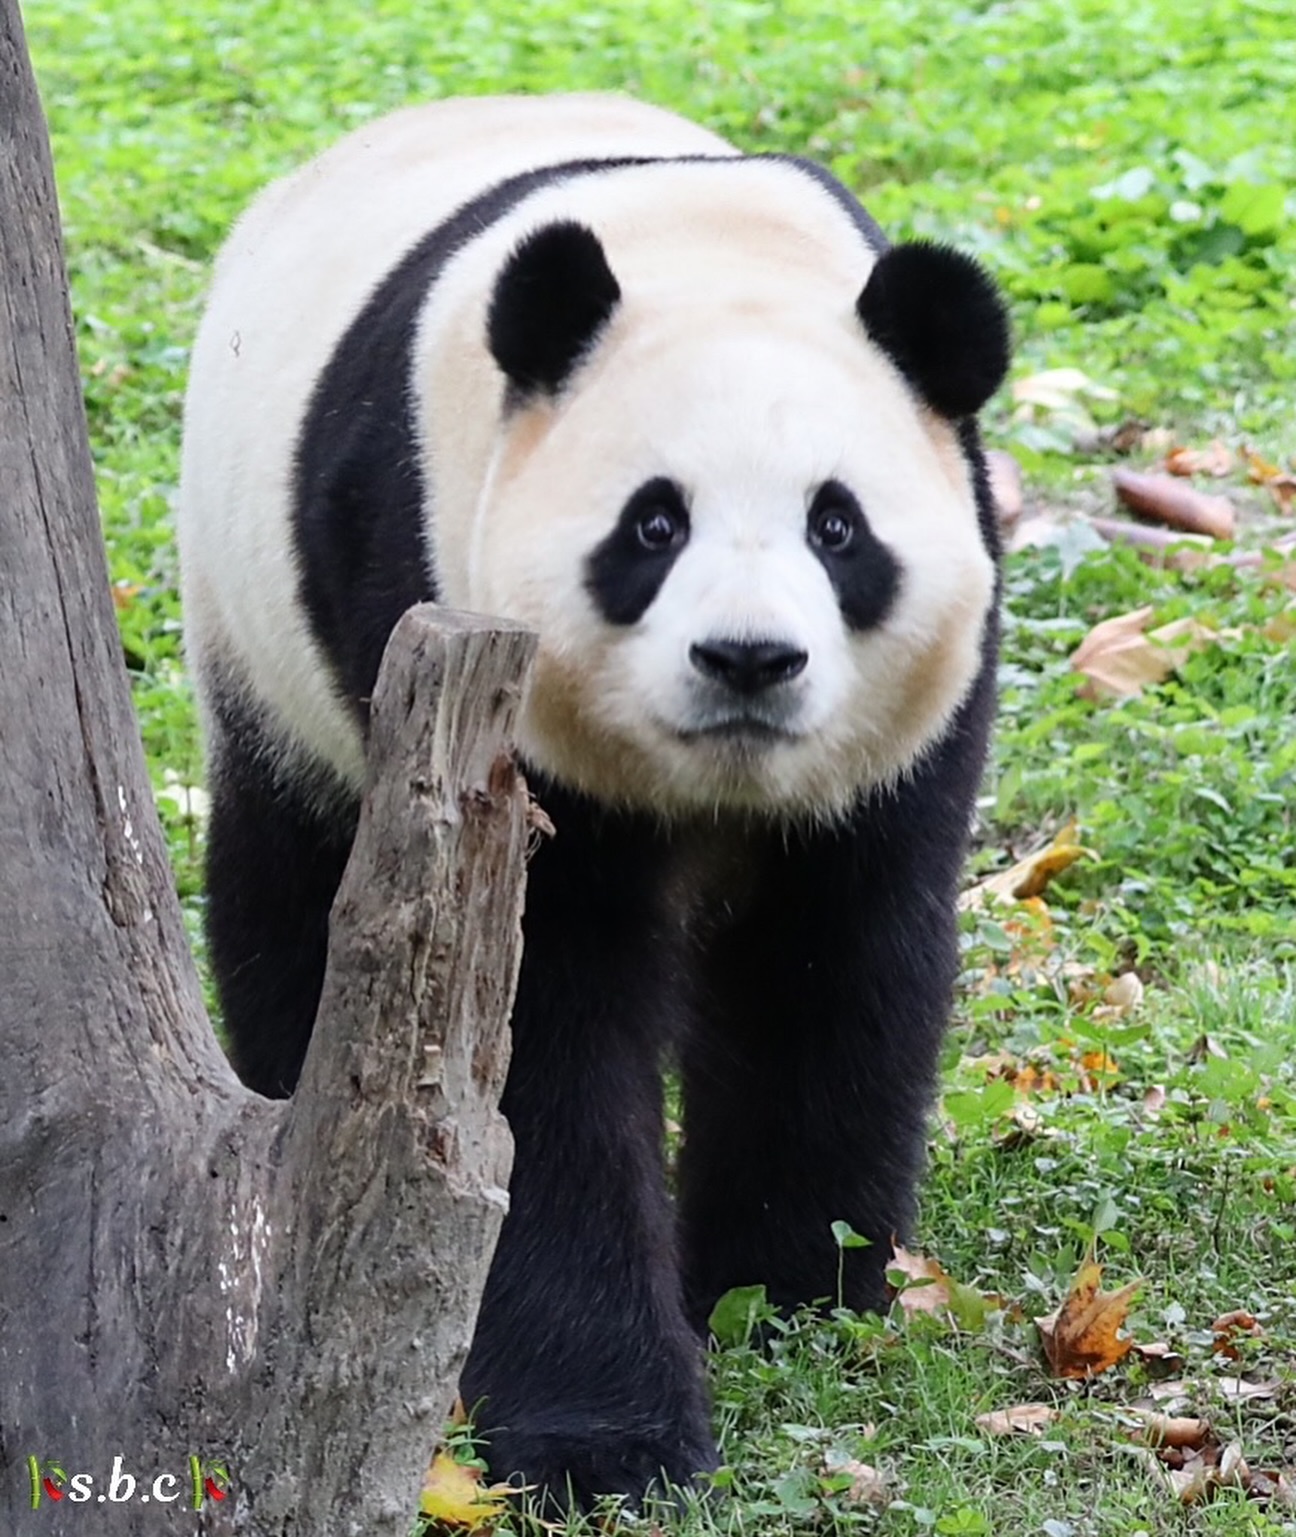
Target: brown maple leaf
1083,1337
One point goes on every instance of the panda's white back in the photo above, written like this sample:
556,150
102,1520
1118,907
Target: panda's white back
294,272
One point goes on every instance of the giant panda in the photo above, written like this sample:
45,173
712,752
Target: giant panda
686,412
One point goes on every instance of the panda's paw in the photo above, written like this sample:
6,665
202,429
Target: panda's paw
566,1472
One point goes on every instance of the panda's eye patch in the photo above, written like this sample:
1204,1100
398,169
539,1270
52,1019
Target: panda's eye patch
833,518
625,572
864,573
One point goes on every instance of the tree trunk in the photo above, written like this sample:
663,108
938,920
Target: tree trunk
194,1279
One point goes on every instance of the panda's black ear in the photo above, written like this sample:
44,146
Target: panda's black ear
554,295
938,316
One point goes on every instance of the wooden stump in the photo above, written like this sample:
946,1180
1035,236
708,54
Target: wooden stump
192,1276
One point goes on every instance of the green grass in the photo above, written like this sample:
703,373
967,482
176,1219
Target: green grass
1127,173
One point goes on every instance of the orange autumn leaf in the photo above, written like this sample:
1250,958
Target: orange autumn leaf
1082,1338
1033,1079
1215,459
1098,1069
453,1495
1228,1327
1030,875
1280,483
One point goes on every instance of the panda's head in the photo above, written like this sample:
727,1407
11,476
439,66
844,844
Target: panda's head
744,525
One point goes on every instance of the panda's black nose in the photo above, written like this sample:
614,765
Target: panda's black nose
748,666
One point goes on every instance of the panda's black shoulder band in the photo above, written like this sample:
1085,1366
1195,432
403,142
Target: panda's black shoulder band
938,316
554,295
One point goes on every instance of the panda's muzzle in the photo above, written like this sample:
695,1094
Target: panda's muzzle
748,667
739,691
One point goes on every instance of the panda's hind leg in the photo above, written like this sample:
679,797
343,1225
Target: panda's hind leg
276,850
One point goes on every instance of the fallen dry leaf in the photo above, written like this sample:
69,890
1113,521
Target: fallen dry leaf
925,1286
1232,1466
1033,1079
994,1064
1259,469
454,1496
1180,1430
1121,656
1175,1392
1226,1329
1160,546
868,1485
1215,459
1029,876
1122,995
1116,658
1025,1124
1280,483
1161,1359
1277,1485
1133,436
1239,1391
1098,1069
1199,1478
1283,490
1168,501
1185,552
1021,1419
1082,1337
1192,1464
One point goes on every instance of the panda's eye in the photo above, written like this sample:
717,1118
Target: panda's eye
833,519
832,530
658,528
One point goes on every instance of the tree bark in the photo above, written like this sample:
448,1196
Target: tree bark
188,1271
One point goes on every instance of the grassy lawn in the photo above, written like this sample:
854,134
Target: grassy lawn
1128,173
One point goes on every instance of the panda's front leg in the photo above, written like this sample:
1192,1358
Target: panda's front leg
808,1077
584,1377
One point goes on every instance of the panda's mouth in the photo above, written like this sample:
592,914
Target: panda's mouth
741,730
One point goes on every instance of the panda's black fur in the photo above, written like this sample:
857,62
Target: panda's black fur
801,983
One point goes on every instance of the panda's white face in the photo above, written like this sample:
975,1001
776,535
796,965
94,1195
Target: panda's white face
752,557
